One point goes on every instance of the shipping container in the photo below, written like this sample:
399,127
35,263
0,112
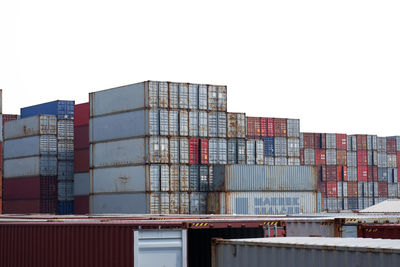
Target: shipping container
341,141
352,190
9,117
81,184
331,173
320,156
81,137
382,159
183,95
293,147
259,152
391,161
253,127
361,142
213,124
342,191
264,178
382,189
280,127
38,125
281,161
241,151
309,140
164,122
174,178
184,178
341,172
372,173
392,175
65,129
212,98
164,178
330,141
81,204
264,127
222,122
173,122
391,146
184,150
203,97
293,128
236,125
194,123
270,127
203,124
65,190
65,170
379,231
204,174
341,157
65,150
194,178
173,95
280,147
352,174
61,108
222,98
362,173
293,161
81,160
194,151
193,96
305,251
30,166
232,151
309,156
301,140
381,144
251,152
372,142
183,123
30,188
319,141
352,159
30,146
331,157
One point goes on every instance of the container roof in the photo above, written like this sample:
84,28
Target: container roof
388,206
326,243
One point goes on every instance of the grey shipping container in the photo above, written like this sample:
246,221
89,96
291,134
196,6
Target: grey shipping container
184,178
174,150
236,125
301,140
81,184
203,124
293,127
212,98
211,177
362,189
65,150
392,190
174,178
221,124
391,161
352,174
270,161
30,166
342,189
198,203
331,157
280,145
164,122
315,227
164,203
183,96
164,178
293,147
173,95
352,159
381,144
203,97
232,151
241,149
65,190
183,123
194,96
30,146
213,124
331,141
222,98
372,158
194,179
309,156
281,161
65,170
306,251
264,178
259,152
204,173
184,150
184,203
372,142
222,151
194,123
293,161
383,174
331,204
163,95
174,203
250,152
213,151
173,122
65,129
30,126
392,175
382,159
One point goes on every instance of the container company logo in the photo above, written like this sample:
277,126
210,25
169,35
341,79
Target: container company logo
277,205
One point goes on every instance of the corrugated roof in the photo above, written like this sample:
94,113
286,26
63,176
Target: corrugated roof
388,206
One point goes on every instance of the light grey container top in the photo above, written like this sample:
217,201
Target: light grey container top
30,126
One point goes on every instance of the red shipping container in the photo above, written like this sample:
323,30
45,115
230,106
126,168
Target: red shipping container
21,188
341,141
302,156
362,173
322,188
9,117
341,157
21,206
81,205
331,172
391,145
270,127
193,151
331,189
398,159
362,158
372,173
382,189
81,114
361,142
308,140
341,173
383,231
81,160
352,189
203,151
253,127
280,127
320,157
81,138
321,173
263,126
318,142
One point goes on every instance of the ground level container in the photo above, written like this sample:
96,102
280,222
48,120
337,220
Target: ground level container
384,231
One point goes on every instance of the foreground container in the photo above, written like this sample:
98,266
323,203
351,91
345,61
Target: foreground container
306,251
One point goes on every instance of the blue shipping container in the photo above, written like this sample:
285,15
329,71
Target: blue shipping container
268,146
64,208
61,108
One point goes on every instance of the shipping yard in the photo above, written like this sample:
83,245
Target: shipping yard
163,170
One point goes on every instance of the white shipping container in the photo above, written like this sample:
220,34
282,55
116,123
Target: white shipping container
65,129
30,146
38,125
30,166
294,161
293,147
281,161
259,152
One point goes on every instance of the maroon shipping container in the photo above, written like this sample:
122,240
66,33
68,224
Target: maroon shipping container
308,140
264,127
361,142
352,189
9,117
20,207
320,157
302,156
81,160
341,157
322,188
362,158
331,189
382,189
341,173
391,145
331,172
341,141
398,159
81,205
253,127
321,173
270,127
280,127
81,138
203,151
362,173
383,231
319,140
81,114
26,188
193,151
372,173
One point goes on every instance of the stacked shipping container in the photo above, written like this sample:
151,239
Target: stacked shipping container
81,159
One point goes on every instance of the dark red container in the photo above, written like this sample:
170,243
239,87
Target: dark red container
322,188
331,173
398,159
81,138
253,127
194,151
319,140
321,173
203,151
341,141
362,158
81,205
391,145
320,157
372,173
264,127
341,157
48,206
361,142
21,206
270,127
362,173
341,173
9,117
383,231
352,189
280,127
81,160
331,189
81,114
308,140
382,189
301,156
21,188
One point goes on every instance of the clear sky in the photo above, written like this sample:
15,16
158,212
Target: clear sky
333,64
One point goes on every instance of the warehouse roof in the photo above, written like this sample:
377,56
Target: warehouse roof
388,206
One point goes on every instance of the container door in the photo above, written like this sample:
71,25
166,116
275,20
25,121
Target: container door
167,248
349,231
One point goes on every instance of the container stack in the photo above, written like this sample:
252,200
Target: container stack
153,145
30,165
81,159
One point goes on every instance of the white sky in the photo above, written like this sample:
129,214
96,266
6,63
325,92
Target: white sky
333,64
